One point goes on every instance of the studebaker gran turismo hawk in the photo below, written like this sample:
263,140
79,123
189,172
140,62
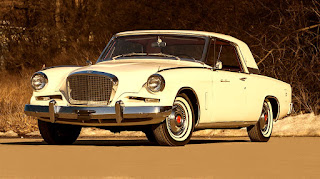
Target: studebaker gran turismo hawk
166,83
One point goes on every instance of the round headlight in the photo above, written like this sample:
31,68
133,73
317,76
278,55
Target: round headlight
155,83
39,81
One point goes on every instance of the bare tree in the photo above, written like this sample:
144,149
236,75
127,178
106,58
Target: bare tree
283,35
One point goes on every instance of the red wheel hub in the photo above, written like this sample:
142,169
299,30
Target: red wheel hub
265,117
178,119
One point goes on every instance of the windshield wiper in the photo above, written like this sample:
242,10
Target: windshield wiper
129,55
164,55
145,54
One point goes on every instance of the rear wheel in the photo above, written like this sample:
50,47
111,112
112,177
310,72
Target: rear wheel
177,129
261,131
58,134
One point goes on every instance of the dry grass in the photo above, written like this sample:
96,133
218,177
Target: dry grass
15,92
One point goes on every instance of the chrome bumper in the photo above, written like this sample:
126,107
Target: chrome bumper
99,116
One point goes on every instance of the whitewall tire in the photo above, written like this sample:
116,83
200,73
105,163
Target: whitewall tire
177,129
262,130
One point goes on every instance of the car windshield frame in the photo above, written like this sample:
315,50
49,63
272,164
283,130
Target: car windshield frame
160,55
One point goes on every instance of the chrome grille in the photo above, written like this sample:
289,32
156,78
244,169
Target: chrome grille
89,89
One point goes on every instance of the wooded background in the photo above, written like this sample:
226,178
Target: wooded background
282,34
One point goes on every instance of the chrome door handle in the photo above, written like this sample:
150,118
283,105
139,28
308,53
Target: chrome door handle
224,80
243,79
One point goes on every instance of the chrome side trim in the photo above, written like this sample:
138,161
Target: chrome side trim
60,66
225,125
175,68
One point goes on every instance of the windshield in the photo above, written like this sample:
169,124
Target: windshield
169,46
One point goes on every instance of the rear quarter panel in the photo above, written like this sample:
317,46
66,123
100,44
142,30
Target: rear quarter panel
260,87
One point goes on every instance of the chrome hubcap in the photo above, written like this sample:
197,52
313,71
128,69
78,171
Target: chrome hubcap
264,118
177,121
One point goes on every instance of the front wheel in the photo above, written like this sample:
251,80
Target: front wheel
177,129
261,131
58,134
150,135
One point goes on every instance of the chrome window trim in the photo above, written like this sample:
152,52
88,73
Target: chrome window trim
105,49
204,52
237,52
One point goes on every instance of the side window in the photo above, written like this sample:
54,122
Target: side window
226,53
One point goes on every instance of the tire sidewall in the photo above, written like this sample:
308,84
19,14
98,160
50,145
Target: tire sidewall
268,133
182,98
50,132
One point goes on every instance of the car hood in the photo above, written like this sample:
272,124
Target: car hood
132,74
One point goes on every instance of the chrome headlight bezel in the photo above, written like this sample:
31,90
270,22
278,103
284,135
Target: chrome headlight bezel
42,78
155,83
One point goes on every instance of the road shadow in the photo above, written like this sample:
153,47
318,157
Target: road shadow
119,143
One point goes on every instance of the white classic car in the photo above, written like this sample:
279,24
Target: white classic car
166,83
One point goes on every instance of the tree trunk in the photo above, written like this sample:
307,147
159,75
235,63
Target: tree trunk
57,14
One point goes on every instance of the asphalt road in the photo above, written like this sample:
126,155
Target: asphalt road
137,158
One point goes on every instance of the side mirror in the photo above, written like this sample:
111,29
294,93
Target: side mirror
88,62
218,65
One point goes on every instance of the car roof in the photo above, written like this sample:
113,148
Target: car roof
181,32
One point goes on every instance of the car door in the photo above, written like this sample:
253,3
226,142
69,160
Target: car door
229,94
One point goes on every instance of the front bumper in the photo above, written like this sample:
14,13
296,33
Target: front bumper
99,116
